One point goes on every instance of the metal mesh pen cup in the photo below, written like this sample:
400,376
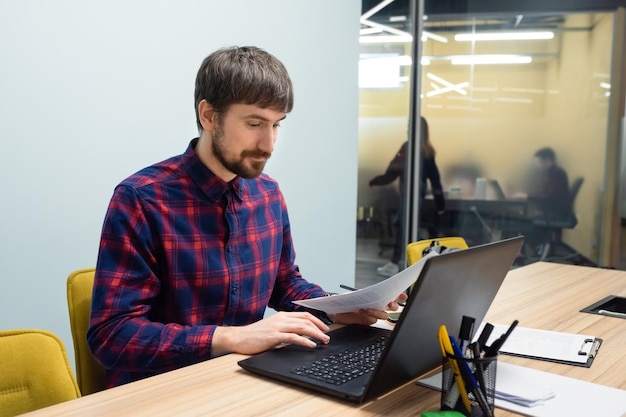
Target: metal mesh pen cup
469,385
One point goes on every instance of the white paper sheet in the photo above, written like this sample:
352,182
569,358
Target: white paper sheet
375,296
571,397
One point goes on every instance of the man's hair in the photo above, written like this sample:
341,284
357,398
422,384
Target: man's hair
546,154
246,75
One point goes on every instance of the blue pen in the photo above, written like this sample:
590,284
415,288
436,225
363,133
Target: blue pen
466,369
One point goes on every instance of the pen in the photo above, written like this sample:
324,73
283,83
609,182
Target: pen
484,335
471,380
447,351
479,368
496,345
345,287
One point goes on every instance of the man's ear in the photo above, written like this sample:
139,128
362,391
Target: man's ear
207,115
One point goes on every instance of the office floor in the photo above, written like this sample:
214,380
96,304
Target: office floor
368,258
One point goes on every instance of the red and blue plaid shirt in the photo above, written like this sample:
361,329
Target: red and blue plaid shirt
182,252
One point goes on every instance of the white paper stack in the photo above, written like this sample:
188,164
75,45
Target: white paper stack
521,388
527,390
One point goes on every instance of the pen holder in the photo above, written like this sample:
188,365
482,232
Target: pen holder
469,385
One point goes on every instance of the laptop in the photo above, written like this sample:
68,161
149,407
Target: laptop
449,286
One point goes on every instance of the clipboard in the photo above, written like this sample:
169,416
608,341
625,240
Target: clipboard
566,348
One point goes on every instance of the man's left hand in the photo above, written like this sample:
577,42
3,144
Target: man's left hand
368,316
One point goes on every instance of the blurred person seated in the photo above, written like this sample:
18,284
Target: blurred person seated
551,200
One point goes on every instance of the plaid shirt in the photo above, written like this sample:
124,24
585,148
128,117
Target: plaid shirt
182,252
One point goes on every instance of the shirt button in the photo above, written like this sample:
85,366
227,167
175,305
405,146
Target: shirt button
229,248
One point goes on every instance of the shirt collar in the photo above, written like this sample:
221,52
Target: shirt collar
212,185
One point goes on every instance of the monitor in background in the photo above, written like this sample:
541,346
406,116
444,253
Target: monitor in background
498,190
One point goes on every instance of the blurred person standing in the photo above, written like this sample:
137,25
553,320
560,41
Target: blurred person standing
429,174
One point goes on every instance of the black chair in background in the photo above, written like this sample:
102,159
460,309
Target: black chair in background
553,248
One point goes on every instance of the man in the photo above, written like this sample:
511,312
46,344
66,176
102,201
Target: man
552,198
194,248
551,201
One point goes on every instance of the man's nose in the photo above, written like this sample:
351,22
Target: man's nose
266,144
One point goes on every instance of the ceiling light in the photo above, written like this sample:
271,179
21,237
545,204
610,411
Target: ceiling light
370,31
371,12
513,100
503,36
490,59
394,19
459,88
447,86
386,39
429,35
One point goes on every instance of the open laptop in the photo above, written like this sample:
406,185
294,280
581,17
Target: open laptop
450,286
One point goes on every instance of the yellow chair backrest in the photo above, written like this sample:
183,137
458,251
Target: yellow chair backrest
415,250
89,372
34,371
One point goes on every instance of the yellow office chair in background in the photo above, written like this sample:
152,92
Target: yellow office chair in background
34,372
415,250
89,372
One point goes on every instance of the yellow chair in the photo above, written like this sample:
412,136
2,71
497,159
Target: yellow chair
34,372
415,250
89,372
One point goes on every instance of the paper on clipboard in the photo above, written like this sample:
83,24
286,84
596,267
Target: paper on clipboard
569,348
375,296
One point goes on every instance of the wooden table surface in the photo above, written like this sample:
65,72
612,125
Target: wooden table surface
542,295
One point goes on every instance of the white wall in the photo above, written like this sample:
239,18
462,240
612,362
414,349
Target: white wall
90,92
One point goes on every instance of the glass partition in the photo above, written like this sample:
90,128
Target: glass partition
386,41
517,108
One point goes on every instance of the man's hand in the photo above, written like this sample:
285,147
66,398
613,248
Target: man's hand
288,327
368,316
283,327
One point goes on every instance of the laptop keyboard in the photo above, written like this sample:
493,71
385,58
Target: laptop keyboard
339,368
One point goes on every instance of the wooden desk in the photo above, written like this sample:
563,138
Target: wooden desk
541,295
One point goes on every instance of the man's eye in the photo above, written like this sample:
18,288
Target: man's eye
254,124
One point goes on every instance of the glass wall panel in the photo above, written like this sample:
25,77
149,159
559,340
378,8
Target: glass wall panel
385,92
517,108
520,127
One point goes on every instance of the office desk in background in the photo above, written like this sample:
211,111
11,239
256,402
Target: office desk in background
478,221
541,295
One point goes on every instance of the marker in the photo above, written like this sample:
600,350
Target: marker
466,332
495,346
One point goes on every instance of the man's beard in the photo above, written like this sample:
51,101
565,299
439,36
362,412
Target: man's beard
238,167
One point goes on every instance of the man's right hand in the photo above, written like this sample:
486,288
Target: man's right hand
283,327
